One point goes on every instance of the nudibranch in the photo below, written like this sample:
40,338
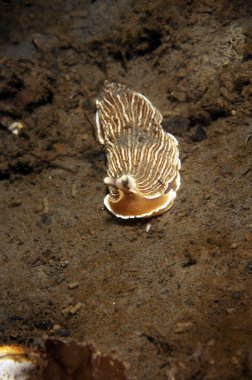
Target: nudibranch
143,160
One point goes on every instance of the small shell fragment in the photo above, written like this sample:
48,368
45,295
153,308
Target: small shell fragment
148,227
16,127
143,160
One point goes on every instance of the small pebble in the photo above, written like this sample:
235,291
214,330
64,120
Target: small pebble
182,327
234,245
230,310
74,190
84,136
73,285
16,127
211,342
76,308
148,227
72,309
64,264
56,327
45,206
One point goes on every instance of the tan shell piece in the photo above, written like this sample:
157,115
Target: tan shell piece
19,363
143,160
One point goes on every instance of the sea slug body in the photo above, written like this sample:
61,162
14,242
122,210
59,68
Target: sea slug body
143,160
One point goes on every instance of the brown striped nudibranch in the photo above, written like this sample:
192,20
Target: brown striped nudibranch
143,160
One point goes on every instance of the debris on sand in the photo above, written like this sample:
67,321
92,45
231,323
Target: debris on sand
59,359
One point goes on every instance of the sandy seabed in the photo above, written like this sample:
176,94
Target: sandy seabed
171,299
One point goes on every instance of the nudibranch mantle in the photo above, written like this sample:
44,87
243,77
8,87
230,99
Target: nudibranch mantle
143,160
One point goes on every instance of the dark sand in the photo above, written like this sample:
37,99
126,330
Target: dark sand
174,302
